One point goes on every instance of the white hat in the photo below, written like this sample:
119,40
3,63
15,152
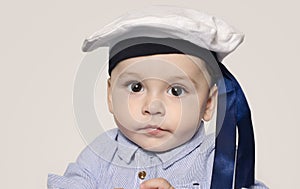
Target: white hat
199,28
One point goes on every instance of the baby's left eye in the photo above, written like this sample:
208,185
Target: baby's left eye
176,91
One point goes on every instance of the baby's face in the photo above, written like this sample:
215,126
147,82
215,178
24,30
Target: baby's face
158,101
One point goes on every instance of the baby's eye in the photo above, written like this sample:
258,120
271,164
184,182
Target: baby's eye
176,91
135,87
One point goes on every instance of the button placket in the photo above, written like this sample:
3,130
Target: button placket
146,166
141,171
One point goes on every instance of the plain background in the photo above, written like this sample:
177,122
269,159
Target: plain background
40,45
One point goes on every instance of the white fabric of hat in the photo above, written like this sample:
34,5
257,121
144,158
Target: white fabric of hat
169,22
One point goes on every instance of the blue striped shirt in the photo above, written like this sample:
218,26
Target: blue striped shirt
112,161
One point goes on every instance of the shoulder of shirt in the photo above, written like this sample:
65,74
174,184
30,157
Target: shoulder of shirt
208,145
105,140
102,148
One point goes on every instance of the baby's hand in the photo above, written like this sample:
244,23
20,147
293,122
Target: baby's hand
156,183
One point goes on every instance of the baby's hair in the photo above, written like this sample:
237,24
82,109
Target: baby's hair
213,70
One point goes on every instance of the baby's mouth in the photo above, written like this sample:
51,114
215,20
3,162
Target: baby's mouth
152,130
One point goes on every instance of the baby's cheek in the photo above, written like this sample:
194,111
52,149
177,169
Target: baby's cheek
135,108
191,109
120,107
190,117
173,112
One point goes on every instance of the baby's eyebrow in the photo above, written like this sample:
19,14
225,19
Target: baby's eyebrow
182,78
126,74
169,79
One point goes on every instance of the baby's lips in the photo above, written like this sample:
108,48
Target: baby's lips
148,127
152,129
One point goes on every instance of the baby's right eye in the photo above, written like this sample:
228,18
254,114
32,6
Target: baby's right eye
135,87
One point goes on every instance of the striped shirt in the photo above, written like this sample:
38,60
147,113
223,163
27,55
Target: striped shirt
112,161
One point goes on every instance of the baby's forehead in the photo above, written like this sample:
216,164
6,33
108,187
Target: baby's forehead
167,67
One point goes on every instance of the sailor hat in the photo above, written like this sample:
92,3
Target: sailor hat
196,27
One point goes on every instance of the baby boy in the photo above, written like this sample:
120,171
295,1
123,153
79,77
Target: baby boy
163,86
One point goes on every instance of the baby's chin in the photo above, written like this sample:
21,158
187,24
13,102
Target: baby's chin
157,148
153,146
160,147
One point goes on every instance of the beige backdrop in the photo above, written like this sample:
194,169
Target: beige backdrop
40,45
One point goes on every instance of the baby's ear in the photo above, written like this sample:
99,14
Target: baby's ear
109,96
211,103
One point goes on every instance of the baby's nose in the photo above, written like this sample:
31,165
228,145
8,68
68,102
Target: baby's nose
154,107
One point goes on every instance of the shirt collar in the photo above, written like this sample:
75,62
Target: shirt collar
126,148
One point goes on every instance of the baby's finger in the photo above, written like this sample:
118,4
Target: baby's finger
157,183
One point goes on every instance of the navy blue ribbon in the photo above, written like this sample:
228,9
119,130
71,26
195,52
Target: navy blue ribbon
238,115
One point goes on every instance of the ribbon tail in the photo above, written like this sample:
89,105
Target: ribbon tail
237,115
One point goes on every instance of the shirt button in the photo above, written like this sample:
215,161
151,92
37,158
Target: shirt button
142,175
